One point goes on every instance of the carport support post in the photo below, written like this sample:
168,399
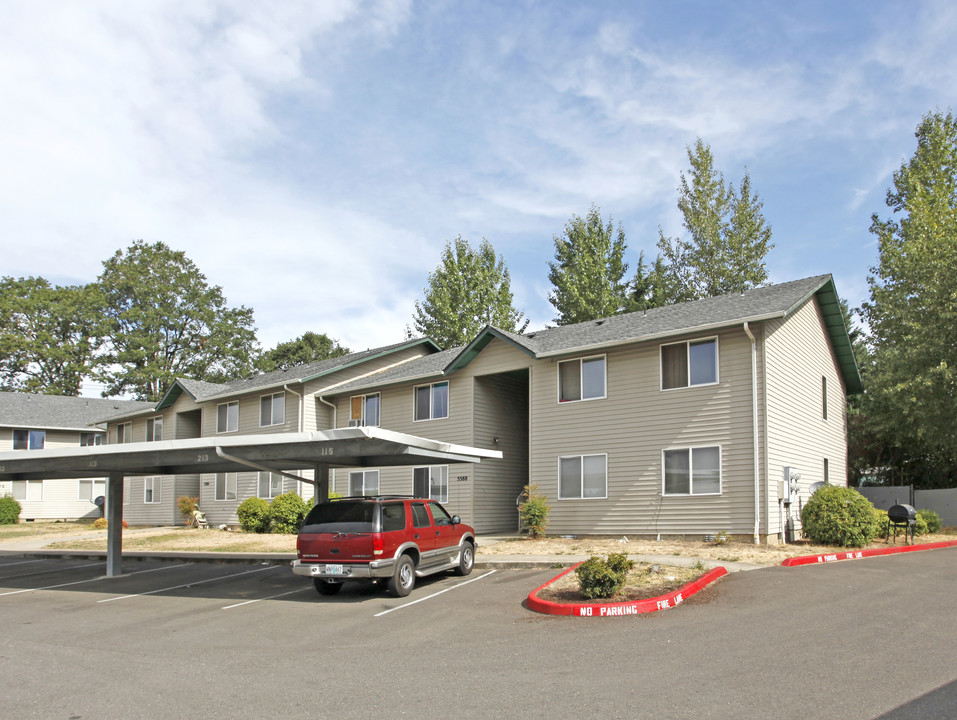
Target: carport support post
321,476
114,531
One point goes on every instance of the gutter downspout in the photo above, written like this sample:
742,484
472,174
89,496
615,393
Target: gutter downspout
259,466
335,410
754,417
299,427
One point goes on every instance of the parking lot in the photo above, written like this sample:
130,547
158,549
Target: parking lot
168,639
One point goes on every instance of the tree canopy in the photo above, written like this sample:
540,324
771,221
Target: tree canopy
912,311
161,319
728,236
47,335
469,289
307,348
588,273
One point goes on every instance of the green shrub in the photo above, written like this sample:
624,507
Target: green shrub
841,516
932,520
102,523
286,513
599,578
253,514
9,511
534,511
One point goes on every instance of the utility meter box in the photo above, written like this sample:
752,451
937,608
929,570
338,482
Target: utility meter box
788,485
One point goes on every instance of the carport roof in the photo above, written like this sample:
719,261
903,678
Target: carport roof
345,447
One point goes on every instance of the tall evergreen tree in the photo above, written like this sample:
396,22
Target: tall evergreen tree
161,319
728,236
912,312
588,273
47,335
470,288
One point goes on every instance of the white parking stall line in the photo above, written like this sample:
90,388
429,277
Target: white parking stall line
81,582
429,597
186,585
271,597
23,562
44,572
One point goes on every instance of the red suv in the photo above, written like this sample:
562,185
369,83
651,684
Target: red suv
382,538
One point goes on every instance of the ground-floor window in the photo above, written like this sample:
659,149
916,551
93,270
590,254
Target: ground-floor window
431,482
90,489
270,485
582,477
692,471
364,482
27,490
226,486
152,490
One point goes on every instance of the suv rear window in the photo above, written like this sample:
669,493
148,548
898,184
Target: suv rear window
341,516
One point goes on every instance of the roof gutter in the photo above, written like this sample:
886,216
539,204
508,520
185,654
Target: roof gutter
298,395
754,418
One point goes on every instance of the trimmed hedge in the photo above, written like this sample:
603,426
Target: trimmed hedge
841,516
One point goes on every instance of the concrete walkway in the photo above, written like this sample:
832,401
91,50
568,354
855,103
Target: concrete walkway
37,547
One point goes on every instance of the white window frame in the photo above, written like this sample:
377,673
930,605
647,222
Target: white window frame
432,415
689,449
581,477
269,480
152,490
151,425
443,482
27,485
275,400
229,478
364,419
91,484
581,387
230,427
365,483
96,437
688,344
127,429
30,434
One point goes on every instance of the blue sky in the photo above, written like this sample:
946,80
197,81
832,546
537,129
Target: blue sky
313,158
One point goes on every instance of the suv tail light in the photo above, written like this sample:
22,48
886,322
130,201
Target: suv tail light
378,543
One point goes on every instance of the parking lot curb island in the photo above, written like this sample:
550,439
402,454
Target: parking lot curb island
620,609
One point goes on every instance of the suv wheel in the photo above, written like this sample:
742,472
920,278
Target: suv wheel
466,559
403,577
324,587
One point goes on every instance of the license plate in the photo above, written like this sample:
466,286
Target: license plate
334,570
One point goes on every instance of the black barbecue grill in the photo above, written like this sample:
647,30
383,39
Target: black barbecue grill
903,517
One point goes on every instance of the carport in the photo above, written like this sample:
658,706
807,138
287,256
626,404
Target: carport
278,453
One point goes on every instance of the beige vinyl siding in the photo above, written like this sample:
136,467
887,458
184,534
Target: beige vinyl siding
60,497
799,354
319,416
632,426
223,512
165,512
249,415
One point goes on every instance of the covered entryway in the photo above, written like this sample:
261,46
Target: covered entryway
279,453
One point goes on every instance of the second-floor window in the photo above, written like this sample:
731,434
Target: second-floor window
432,401
124,433
581,379
272,409
364,410
88,439
154,429
689,363
823,397
227,417
29,439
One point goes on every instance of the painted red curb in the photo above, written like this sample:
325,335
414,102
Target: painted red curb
857,554
634,607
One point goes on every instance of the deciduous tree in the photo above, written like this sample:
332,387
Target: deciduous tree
728,236
161,319
588,273
469,289
308,348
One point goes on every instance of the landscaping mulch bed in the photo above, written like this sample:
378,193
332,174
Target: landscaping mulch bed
645,580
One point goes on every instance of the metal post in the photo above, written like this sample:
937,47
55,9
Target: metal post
114,531
321,475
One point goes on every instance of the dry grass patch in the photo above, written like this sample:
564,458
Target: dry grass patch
25,530
644,580
190,540
588,545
